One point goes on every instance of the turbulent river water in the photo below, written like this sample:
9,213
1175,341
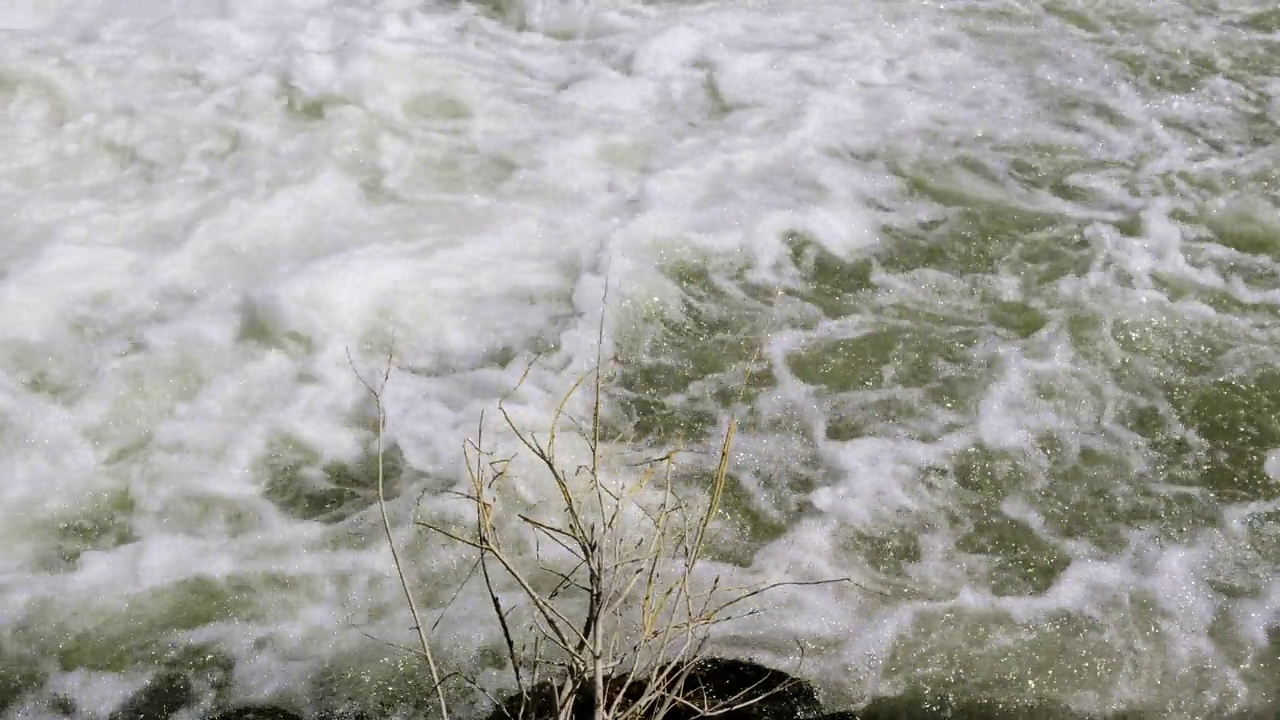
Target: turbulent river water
992,288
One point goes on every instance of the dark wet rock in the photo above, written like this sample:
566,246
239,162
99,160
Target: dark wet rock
162,696
256,712
769,693
729,689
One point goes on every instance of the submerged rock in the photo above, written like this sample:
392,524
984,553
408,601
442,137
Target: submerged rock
162,696
724,688
256,712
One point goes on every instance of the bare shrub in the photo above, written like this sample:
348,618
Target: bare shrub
613,625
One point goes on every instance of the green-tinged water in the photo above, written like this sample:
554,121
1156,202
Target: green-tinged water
1082,331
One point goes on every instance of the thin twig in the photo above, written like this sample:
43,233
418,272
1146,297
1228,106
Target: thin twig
376,393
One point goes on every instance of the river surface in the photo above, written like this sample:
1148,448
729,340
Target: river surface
991,287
